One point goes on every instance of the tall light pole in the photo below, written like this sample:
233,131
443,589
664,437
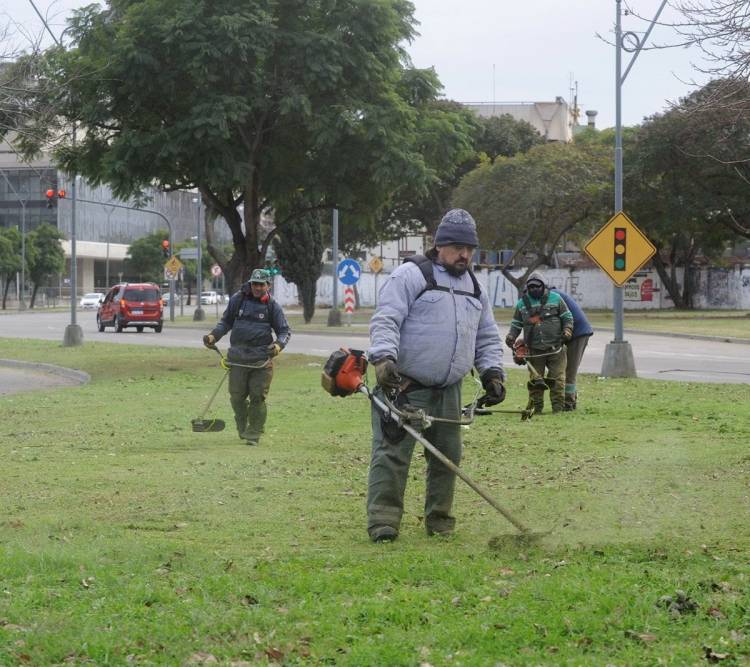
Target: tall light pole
199,313
334,316
618,354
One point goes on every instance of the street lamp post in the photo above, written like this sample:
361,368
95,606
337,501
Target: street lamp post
618,354
199,313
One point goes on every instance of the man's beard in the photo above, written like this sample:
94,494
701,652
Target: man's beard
456,270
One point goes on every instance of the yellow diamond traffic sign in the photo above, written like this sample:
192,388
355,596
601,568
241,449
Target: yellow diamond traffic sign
173,265
375,264
620,248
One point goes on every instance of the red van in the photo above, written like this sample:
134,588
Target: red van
131,305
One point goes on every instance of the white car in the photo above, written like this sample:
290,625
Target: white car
91,300
209,298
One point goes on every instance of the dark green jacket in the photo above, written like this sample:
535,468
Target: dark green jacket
542,321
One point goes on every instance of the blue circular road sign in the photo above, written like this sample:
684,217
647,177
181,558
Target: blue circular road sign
348,271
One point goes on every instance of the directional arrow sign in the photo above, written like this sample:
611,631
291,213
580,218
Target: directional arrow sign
620,249
348,271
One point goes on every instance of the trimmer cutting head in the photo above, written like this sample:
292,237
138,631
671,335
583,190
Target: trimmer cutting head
207,425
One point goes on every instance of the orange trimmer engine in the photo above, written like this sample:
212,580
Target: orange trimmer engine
520,351
343,373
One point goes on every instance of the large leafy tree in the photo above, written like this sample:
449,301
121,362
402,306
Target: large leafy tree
489,138
250,102
299,251
685,189
531,202
46,257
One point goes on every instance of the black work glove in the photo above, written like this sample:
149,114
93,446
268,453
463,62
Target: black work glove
492,382
509,340
386,373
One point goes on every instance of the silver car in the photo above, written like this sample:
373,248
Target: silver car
91,300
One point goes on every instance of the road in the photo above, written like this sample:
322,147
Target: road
656,357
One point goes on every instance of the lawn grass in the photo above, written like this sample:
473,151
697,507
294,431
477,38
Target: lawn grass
125,538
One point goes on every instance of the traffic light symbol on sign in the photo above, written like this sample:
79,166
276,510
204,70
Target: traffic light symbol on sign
620,238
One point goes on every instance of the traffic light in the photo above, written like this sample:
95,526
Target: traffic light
52,195
165,248
619,249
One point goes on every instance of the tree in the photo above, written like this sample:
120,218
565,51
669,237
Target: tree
489,138
679,197
721,30
10,258
505,136
184,94
46,257
145,258
300,251
530,202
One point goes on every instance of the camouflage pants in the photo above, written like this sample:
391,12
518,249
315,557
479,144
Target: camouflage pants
554,365
248,388
389,464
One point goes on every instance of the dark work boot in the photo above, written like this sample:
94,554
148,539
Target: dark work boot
383,534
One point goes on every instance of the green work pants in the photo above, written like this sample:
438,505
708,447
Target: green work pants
554,365
575,350
248,388
389,464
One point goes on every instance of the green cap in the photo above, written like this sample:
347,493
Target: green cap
260,276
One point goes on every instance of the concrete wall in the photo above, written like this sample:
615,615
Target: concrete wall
717,289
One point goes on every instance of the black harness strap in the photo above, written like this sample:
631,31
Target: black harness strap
425,266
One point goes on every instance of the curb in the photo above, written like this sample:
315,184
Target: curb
667,334
79,377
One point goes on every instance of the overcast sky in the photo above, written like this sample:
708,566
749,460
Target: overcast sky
516,51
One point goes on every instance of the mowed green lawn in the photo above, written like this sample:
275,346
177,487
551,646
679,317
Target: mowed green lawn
125,538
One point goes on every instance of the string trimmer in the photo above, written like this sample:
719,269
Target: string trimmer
343,376
202,425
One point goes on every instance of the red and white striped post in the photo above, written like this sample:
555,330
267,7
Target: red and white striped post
349,303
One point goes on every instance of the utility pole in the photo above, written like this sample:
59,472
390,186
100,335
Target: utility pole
334,316
199,314
618,354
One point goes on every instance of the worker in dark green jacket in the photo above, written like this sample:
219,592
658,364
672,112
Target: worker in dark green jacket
546,323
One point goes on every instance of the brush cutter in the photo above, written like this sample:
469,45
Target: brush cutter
202,425
343,376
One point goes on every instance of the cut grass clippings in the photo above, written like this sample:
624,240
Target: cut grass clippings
125,538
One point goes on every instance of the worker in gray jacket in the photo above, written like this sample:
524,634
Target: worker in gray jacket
432,324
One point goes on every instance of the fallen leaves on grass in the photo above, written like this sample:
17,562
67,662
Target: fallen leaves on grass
714,657
644,637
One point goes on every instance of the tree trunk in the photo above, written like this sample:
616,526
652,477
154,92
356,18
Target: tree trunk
669,281
33,295
307,291
5,293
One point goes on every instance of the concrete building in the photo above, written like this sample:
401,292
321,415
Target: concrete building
555,121
104,230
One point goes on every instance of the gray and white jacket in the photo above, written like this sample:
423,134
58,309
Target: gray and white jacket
435,337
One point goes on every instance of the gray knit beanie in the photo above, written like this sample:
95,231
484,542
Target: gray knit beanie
536,277
457,227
